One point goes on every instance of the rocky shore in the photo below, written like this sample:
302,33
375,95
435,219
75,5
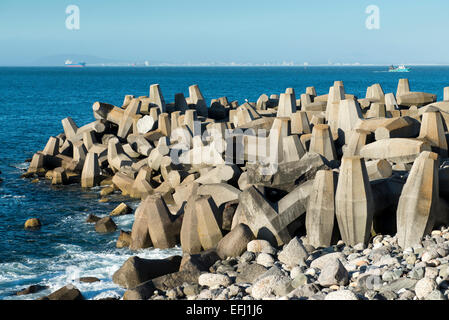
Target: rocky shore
329,197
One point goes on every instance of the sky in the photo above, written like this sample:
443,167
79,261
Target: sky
244,31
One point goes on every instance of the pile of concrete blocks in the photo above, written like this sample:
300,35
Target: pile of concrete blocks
331,166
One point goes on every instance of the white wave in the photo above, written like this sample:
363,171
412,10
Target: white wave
69,267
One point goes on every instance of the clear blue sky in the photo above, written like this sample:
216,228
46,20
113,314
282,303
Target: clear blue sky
255,31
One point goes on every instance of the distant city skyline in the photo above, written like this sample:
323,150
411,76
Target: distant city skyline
202,32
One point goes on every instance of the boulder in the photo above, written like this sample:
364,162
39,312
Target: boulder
235,242
69,292
333,274
105,225
33,224
293,253
136,270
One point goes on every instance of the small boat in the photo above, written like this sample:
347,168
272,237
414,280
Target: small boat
400,68
69,63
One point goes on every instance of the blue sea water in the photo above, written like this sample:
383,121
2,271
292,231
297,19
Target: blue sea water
33,102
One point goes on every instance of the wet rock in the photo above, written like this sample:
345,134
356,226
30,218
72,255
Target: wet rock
31,289
88,279
136,270
69,292
33,224
92,218
105,225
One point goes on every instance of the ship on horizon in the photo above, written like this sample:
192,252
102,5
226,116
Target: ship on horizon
70,63
401,68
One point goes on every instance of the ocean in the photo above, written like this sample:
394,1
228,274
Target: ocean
34,100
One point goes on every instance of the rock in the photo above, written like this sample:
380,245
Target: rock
335,274
293,253
124,239
267,286
213,280
327,259
92,218
31,289
401,283
341,295
435,295
257,246
424,287
265,260
69,292
235,242
248,273
121,209
105,225
88,279
136,270
33,224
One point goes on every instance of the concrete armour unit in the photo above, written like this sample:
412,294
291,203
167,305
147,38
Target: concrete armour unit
263,220
322,142
336,94
196,98
417,206
145,124
432,130
293,149
403,87
287,105
390,102
181,103
190,240
262,102
402,127
354,201
140,236
141,186
300,123
90,176
349,113
162,229
398,150
320,216
117,157
416,99
357,140
156,97
208,222
378,169
52,147
126,122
